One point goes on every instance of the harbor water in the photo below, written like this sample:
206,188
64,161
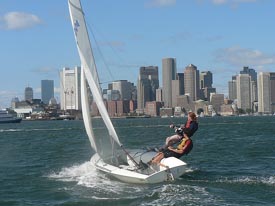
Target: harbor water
47,163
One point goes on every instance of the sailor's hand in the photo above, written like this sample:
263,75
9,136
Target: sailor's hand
170,148
172,125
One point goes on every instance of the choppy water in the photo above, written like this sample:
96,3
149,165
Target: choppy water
47,163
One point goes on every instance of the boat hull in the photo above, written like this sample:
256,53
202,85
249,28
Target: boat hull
17,120
168,170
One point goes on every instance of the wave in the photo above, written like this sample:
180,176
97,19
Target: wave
29,130
269,181
102,187
11,130
85,175
179,194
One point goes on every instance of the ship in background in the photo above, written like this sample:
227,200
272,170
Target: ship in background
5,117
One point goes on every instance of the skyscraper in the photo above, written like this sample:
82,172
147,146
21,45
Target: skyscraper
253,80
243,91
232,88
206,79
191,82
47,90
28,94
70,89
147,84
125,89
264,93
272,91
251,72
180,77
169,70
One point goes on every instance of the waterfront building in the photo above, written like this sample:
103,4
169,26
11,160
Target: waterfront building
112,95
175,92
272,91
251,72
206,79
243,83
207,92
264,93
125,89
253,81
169,70
186,102
180,78
112,108
191,82
14,101
177,88
47,90
70,88
123,107
148,83
216,100
132,106
28,94
232,89
159,95
153,108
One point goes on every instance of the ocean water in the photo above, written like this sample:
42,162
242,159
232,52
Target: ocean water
47,163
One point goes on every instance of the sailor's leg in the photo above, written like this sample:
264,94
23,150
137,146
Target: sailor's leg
172,140
158,158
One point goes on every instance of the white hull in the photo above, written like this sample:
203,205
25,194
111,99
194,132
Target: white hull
169,169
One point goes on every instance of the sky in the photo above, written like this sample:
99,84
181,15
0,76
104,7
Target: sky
221,36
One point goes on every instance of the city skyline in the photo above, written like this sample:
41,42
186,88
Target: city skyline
219,36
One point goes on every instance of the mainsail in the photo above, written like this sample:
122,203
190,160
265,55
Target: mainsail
90,74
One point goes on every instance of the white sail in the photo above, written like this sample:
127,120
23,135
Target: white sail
88,64
86,111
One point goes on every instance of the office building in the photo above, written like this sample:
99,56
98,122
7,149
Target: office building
159,95
191,82
28,94
232,90
148,83
180,78
243,83
206,79
272,91
70,89
125,89
47,90
251,72
264,93
253,81
169,70
216,100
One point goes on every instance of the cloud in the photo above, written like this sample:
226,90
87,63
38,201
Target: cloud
237,56
46,71
160,3
18,21
233,3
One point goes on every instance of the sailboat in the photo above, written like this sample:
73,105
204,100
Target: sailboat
110,155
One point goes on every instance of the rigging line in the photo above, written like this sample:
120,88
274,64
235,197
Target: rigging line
100,52
127,153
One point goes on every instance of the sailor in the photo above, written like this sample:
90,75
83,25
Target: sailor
183,136
189,128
